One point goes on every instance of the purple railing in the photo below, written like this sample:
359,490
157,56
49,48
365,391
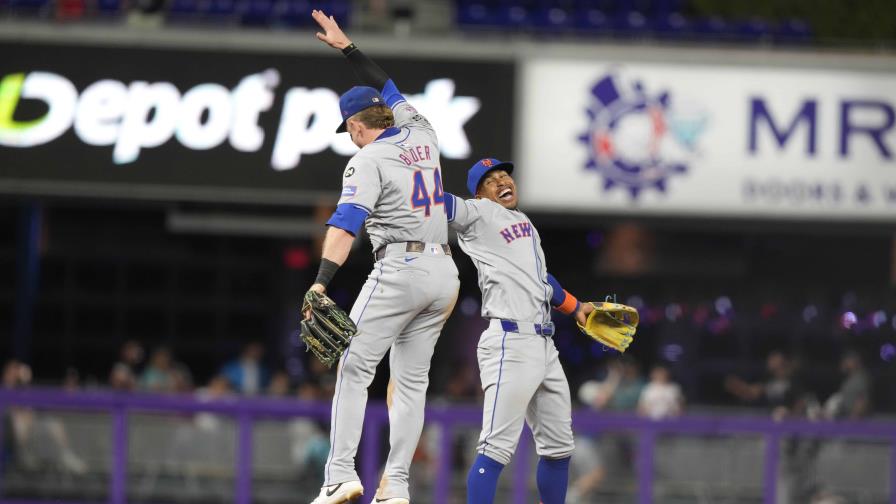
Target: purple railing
246,411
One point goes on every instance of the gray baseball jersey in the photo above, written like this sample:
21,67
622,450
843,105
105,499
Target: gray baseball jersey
397,180
520,369
404,302
506,249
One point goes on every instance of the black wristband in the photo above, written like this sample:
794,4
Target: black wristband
368,72
326,272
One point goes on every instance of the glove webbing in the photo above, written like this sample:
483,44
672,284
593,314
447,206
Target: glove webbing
329,331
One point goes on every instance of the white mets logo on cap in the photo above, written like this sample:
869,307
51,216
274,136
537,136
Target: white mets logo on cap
637,141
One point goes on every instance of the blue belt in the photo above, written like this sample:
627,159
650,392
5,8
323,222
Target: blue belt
546,329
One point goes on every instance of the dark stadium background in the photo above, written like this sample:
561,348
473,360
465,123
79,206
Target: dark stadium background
204,252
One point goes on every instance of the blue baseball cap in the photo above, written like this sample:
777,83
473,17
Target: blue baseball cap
481,168
355,100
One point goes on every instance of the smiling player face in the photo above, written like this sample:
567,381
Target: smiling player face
498,186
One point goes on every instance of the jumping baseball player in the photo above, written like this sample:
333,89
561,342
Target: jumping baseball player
518,362
394,185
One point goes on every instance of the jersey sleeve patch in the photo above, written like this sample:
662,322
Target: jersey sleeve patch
407,115
361,184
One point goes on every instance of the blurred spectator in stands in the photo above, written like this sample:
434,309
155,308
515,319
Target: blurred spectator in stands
853,399
182,379
123,375
782,392
247,374
131,356
216,389
200,445
619,391
72,380
15,374
587,470
279,386
309,443
785,395
661,398
121,378
161,374
323,380
462,387
39,441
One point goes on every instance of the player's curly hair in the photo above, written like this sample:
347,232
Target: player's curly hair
376,117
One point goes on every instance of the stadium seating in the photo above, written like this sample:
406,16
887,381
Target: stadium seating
258,13
251,13
28,7
108,7
664,19
624,19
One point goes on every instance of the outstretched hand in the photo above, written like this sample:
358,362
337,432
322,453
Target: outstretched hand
332,35
582,313
306,313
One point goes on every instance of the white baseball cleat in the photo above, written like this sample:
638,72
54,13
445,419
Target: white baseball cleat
340,494
393,500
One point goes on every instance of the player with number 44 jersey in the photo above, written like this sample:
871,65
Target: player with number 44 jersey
394,186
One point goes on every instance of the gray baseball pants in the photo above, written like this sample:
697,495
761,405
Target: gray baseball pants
523,381
402,307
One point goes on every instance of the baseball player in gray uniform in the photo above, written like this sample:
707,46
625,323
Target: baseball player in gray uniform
518,362
394,185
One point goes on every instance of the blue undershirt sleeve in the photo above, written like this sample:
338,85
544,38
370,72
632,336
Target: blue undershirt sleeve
391,94
349,217
559,294
450,207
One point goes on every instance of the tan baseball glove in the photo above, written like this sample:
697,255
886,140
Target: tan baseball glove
612,324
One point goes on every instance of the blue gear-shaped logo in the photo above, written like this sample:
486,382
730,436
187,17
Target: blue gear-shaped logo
635,140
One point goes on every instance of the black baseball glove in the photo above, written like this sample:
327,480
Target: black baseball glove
329,330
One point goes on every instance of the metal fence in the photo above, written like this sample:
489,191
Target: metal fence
647,435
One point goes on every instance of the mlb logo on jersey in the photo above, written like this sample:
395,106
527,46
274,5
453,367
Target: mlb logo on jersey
349,191
511,233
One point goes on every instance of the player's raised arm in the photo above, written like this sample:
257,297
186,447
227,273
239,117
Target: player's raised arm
368,72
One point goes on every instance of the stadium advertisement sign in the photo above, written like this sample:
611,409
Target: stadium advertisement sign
235,124
719,141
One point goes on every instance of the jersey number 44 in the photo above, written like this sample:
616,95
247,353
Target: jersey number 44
420,197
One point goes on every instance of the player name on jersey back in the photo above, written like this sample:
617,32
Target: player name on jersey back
415,154
397,180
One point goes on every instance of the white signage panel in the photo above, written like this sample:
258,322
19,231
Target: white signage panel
735,141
